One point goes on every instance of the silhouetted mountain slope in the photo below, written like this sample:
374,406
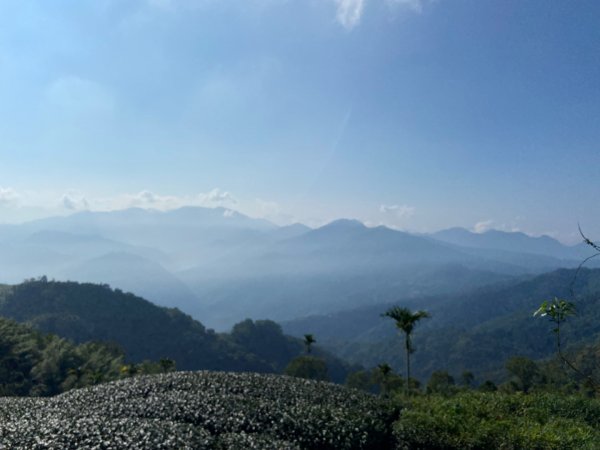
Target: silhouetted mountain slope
133,273
144,226
284,297
338,266
18,262
87,246
178,231
290,231
350,238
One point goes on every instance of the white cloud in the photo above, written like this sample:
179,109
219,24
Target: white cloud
74,202
217,197
393,216
483,226
147,199
487,225
8,196
29,204
349,12
269,210
399,211
68,202
151,200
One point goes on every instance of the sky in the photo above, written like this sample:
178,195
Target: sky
416,114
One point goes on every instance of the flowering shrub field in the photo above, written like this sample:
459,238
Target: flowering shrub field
196,410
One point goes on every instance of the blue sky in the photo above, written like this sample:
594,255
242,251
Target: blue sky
418,114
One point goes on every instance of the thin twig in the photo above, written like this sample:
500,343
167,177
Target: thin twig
572,285
595,247
595,385
588,241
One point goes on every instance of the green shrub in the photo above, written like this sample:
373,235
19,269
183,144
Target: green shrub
494,420
197,410
309,367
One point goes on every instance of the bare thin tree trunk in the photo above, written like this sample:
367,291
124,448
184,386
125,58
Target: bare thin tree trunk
407,342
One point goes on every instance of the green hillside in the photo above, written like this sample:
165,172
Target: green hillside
477,331
32,363
83,312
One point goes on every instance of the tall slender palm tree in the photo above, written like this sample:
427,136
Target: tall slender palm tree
406,321
308,341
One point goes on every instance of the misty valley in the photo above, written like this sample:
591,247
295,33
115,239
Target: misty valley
136,302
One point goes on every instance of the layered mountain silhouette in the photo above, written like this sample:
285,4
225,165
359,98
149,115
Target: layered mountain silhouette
222,266
516,242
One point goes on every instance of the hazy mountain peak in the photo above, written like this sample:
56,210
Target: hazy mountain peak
522,236
345,223
296,226
293,230
455,230
512,241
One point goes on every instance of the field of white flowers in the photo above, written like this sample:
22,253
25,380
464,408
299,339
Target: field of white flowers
197,410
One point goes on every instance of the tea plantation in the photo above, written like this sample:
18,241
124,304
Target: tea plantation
198,410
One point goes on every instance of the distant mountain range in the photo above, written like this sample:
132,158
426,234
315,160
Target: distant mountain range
515,242
222,266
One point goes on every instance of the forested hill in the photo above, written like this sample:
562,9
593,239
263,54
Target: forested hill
35,364
85,312
476,331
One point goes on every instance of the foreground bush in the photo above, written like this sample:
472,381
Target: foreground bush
499,421
197,410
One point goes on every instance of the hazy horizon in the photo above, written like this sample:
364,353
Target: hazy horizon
479,228
415,114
